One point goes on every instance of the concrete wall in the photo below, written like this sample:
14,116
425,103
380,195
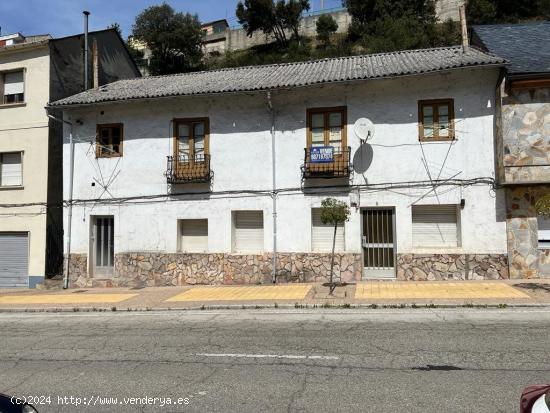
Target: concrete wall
236,39
240,145
25,128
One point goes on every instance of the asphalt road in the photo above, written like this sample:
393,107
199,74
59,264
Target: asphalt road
259,361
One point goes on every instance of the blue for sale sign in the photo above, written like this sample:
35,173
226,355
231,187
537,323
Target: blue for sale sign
321,154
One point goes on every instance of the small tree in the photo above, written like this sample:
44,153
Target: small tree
325,26
175,39
334,212
272,18
542,205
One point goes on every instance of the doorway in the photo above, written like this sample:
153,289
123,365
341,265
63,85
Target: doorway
378,241
102,242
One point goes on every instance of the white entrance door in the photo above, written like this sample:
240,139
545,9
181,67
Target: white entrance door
378,243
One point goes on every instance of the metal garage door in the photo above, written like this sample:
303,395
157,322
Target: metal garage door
14,259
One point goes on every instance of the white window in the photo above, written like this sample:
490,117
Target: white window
435,226
248,231
11,172
14,87
194,235
322,234
544,231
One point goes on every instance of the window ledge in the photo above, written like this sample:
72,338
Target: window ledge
12,105
14,187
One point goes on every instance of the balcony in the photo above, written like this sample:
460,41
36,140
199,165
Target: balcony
183,169
336,166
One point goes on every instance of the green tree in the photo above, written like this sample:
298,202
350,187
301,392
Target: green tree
542,205
334,212
325,27
175,39
272,18
481,11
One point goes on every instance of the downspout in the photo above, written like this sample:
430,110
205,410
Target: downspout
70,206
274,193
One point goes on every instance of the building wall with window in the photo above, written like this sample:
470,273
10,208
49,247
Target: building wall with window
154,219
24,152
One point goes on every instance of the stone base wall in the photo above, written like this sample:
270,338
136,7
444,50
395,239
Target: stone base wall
137,269
526,259
162,269
441,267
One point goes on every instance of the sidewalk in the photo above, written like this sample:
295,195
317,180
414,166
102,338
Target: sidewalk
374,294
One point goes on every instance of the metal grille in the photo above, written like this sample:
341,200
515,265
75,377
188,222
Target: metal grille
378,243
184,169
339,168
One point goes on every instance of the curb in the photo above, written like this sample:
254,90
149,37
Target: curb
236,307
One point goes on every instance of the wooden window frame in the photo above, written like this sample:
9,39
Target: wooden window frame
98,153
189,122
326,119
435,110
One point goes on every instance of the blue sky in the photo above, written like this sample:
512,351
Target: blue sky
64,17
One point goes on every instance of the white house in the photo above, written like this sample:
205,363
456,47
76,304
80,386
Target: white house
200,177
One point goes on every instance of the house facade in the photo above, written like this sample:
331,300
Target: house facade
33,71
523,139
200,178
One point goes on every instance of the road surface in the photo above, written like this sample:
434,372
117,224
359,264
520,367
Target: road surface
283,361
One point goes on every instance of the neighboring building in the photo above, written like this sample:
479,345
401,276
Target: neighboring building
523,140
144,62
33,71
214,36
185,172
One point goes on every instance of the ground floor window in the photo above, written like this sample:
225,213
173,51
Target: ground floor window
193,235
248,231
322,234
435,226
544,231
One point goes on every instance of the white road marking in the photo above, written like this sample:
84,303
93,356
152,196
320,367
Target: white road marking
267,356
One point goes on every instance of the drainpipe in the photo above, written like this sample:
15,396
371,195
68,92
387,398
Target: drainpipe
274,194
70,209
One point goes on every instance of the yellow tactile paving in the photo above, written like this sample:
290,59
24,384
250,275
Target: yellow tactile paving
65,298
241,293
435,290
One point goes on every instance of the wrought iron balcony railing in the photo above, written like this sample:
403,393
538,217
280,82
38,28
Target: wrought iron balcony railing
337,166
185,169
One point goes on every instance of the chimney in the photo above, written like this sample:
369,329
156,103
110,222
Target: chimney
465,43
95,63
86,59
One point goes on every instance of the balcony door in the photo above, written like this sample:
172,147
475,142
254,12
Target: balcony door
191,147
327,129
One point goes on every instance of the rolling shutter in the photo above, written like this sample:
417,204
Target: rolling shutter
10,169
543,231
14,259
194,235
322,234
249,231
13,83
435,225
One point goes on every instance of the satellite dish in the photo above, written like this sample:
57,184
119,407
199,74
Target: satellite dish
364,129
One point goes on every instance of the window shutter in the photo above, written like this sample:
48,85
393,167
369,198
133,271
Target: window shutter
435,225
249,231
322,234
11,171
13,83
194,235
543,231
